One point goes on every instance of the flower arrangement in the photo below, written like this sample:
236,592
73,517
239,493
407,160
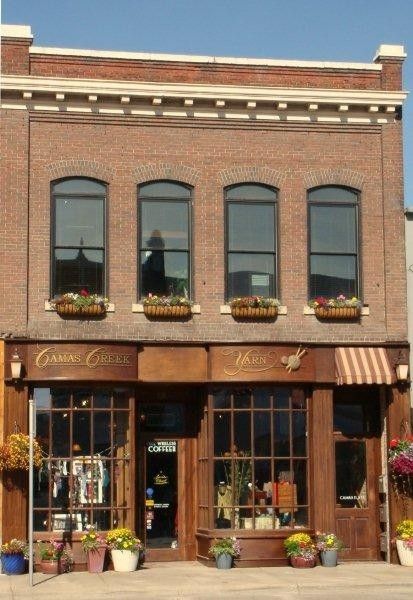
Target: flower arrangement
340,301
81,300
15,546
14,453
254,302
172,300
123,539
328,541
227,545
401,456
92,540
51,550
300,544
404,532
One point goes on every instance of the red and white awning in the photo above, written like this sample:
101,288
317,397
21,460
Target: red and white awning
363,365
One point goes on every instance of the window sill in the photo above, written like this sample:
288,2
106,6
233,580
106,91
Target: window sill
195,308
365,311
49,308
225,309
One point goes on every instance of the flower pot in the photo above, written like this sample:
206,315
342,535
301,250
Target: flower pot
155,311
405,554
247,312
301,562
96,559
337,312
223,561
50,567
328,558
13,564
70,310
124,561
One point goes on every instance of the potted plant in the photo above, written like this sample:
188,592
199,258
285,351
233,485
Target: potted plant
328,545
51,554
14,453
224,550
301,550
254,307
336,308
167,306
125,549
13,555
80,304
404,542
94,545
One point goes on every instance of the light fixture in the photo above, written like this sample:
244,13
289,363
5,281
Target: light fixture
402,371
16,365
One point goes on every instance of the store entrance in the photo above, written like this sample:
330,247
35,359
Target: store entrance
357,453
166,478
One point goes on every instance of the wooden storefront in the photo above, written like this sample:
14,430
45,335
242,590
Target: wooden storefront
185,443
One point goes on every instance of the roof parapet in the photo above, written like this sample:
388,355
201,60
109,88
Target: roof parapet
391,51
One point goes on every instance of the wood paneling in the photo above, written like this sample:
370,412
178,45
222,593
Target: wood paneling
322,452
172,363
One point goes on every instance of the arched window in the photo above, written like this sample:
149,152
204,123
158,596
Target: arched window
78,239
165,239
251,241
333,241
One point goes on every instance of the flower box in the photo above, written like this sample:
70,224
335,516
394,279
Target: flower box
70,310
254,307
155,311
337,312
83,304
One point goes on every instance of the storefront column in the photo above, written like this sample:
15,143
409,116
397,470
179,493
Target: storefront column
322,453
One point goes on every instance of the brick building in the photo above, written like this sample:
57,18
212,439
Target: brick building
129,174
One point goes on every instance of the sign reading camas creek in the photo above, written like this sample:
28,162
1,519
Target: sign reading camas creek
259,363
75,361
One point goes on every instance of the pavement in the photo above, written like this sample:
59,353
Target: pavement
192,580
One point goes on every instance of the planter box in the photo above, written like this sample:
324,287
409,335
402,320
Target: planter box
240,312
70,310
405,554
342,312
154,311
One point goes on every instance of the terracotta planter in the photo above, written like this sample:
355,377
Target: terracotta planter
70,310
405,554
50,567
240,312
154,311
342,312
96,559
300,562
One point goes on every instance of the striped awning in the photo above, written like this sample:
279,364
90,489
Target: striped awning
363,365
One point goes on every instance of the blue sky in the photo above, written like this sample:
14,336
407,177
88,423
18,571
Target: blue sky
343,30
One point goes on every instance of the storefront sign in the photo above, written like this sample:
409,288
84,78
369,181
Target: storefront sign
166,446
82,361
261,363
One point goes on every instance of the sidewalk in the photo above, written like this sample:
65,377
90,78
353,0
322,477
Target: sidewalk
191,580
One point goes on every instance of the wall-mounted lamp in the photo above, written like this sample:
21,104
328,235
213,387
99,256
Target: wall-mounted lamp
402,370
16,364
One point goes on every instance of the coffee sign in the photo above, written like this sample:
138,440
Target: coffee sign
82,362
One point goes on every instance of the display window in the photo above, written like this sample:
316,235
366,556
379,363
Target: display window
85,477
260,462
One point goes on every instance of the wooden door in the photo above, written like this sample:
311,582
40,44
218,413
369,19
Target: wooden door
166,518
357,454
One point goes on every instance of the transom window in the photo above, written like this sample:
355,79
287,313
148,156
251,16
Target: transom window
165,239
334,254
85,477
251,240
260,458
78,237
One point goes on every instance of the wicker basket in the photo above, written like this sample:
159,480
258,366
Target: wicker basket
337,312
70,310
241,312
155,311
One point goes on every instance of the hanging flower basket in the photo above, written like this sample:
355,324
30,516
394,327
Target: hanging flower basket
80,305
254,307
343,312
167,307
14,453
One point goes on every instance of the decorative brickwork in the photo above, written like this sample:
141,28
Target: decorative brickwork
79,168
182,173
